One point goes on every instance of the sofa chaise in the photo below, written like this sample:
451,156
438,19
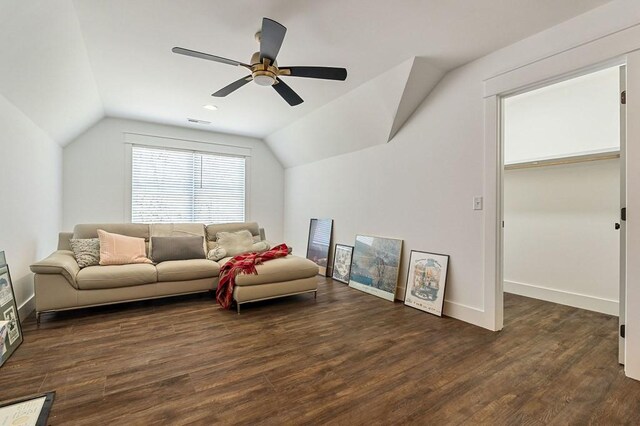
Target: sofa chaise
60,284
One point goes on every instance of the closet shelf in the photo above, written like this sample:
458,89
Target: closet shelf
609,155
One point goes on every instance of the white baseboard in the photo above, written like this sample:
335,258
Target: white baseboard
582,301
473,316
466,313
27,308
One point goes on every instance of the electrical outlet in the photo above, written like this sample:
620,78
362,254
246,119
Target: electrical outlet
477,203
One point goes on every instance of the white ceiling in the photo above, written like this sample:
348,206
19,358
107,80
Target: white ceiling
128,45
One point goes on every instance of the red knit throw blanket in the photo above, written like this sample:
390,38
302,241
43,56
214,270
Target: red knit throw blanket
243,264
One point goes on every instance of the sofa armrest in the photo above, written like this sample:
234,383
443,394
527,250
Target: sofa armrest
59,262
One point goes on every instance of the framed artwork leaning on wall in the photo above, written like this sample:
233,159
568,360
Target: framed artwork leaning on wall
319,243
342,256
10,330
375,266
426,281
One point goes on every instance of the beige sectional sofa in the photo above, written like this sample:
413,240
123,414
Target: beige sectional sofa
60,284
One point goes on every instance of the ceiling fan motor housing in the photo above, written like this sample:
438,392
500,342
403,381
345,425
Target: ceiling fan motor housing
263,73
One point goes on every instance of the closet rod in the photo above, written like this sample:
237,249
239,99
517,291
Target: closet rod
565,160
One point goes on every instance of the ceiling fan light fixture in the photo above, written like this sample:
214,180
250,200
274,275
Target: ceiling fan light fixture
264,79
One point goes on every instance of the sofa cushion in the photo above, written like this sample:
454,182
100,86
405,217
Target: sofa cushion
86,251
114,276
212,231
116,249
176,248
277,270
235,242
177,230
219,251
184,270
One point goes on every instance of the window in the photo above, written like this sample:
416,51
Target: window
186,186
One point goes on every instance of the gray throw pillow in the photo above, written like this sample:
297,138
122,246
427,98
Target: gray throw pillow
176,248
86,251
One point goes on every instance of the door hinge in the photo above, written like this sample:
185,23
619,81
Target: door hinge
623,97
622,331
623,214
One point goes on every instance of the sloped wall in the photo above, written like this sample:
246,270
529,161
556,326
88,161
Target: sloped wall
369,115
45,70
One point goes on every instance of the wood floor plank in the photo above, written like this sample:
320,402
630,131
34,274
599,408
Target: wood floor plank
343,358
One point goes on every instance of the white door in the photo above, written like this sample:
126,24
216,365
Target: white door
623,203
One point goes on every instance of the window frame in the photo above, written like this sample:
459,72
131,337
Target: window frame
159,142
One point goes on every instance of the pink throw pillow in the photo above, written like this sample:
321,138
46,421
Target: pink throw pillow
116,249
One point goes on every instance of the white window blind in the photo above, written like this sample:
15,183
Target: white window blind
186,186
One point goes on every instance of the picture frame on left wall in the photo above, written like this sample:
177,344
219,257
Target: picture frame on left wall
10,329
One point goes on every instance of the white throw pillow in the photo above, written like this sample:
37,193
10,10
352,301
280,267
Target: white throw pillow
231,244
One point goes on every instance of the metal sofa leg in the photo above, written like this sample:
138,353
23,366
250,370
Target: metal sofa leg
315,294
238,308
38,317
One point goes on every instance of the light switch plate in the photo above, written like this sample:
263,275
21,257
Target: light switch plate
477,203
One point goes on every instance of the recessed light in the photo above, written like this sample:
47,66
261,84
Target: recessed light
210,107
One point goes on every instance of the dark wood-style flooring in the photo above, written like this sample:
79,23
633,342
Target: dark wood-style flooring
345,358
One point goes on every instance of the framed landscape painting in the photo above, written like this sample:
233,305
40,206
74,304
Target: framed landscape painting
342,256
426,281
319,243
375,265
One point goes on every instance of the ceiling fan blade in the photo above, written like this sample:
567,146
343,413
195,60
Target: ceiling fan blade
232,87
287,93
326,73
196,54
271,38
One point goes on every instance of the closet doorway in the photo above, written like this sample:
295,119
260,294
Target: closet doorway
564,193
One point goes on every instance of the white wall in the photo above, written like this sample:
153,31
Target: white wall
577,116
420,186
95,175
559,240
31,194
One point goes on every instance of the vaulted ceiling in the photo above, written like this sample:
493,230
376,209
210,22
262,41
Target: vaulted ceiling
67,63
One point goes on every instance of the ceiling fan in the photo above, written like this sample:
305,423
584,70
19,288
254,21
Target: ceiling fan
264,67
